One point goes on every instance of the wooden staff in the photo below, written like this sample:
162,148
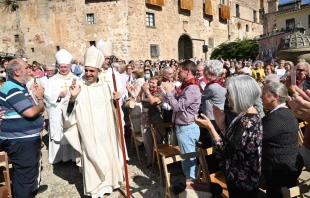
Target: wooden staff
121,132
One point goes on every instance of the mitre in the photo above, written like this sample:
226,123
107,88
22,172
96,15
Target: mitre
93,58
63,57
105,47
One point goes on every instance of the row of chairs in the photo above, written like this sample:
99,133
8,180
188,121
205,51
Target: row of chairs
171,154
5,187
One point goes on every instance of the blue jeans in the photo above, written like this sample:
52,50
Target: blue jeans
187,137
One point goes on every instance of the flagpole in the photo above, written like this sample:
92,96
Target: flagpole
118,108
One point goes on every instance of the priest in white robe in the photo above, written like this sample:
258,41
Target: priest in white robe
97,136
56,98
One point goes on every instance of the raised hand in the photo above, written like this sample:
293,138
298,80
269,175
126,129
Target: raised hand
39,91
117,95
75,89
203,121
300,103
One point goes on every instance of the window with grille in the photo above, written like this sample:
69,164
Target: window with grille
150,19
237,11
16,38
290,23
154,50
254,16
90,18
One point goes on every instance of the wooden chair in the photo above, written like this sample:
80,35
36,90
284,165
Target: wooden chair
136,136
217,177
164,150
5,190
296,191
300,134
203,167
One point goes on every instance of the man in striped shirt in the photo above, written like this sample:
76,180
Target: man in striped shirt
21,127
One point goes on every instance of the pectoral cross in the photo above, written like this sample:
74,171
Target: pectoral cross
65,86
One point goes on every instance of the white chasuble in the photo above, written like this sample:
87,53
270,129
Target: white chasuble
100,143
59,148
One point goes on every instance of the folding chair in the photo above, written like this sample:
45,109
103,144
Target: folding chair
203,167
296,191
135,136
217,177
5,190
164,150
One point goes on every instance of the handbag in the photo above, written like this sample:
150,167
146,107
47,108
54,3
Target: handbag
130,103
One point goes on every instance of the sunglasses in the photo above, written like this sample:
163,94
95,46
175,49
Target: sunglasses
300,70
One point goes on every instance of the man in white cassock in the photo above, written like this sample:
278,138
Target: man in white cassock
56,98
96,137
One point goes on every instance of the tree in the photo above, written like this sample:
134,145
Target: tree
237,49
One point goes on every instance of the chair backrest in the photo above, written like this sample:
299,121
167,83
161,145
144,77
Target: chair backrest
180,157
157,127
295,191
300,134
5,191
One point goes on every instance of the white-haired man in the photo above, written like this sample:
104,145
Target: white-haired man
56,97
96,136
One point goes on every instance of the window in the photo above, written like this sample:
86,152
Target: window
16,38
308,21
237,11
254,16
154,50
290,23
150,20
90,18
222,1
57,48
32,49
247,28
92,43
211,42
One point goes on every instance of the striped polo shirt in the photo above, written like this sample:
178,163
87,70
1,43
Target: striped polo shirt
14,100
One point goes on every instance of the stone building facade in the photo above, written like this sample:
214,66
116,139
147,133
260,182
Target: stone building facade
138,30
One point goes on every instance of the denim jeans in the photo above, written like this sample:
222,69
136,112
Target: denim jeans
187,137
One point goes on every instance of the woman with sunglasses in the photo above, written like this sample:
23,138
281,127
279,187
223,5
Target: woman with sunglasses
302,70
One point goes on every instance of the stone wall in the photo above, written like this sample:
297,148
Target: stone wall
44,25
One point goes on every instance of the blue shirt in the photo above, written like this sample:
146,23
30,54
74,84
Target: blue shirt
14,100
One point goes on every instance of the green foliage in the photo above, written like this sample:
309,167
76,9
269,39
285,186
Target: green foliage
237,49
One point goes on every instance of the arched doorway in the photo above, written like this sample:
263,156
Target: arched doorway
185,47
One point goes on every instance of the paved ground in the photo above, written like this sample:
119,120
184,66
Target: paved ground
65,181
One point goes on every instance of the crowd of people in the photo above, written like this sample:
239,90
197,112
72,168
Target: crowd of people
249,110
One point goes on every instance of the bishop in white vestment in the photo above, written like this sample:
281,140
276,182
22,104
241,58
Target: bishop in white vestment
97,136
56,98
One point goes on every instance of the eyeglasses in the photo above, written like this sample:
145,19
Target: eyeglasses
129,67
300,70
89,70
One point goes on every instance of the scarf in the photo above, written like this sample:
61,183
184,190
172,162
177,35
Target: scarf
157,90
299,81
192,81
218,81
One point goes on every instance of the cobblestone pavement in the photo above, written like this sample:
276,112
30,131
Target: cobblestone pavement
65,181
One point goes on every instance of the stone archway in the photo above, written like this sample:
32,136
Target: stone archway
185,47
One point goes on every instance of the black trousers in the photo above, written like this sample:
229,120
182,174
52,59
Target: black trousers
236,192
25,158
167,115
276,179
